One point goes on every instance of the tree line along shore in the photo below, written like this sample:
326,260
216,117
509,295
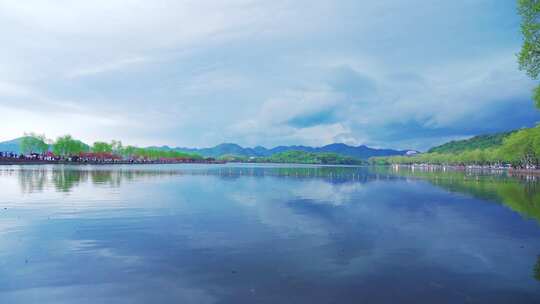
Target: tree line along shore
37,149
519,150
516,150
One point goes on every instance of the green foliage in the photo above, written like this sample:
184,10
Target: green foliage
474,157
234,158
34,143
116,146
477,142
296,157
102,147
301,157
128,151
520,148
133,152
523,147
529,56
155,154
66,146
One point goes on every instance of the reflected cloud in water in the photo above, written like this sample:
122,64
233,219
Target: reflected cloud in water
65,178
265,234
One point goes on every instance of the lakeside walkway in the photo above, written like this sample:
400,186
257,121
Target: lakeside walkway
26,161
470,168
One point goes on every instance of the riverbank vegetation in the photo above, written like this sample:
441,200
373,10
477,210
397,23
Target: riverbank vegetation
298,157
34,143
519,149
480,142
520,194
66,147
529,56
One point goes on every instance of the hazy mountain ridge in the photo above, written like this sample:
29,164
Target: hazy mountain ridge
360,152
11,145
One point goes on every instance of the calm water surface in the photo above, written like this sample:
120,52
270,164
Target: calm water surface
266,234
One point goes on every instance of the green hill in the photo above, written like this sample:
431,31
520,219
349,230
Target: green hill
519,149
11,146
474,143
297,157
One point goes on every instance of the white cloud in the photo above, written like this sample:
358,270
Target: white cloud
8,89
198,73
106,67
212,81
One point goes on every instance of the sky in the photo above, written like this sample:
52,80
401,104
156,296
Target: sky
405,74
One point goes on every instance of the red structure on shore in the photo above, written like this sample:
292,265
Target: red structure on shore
98,157
8,158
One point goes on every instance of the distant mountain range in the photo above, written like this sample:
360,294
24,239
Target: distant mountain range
360,152
10,145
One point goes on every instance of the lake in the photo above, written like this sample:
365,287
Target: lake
266,234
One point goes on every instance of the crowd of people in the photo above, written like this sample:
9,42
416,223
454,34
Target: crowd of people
91,158
11,156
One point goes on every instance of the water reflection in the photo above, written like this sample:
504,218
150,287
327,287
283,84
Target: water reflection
31,180
263,234
65,178
536,271
520,193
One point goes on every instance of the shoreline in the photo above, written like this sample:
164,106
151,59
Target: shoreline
422,167
509,170
26,162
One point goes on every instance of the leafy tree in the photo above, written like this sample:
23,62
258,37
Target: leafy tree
102,147
233,158
155,154
523,146
520,148
529,56
66,146
536,96
34,143
476,142
128,151
117,147
302,157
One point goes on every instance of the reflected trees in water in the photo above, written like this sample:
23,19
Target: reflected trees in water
520,194
536,271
